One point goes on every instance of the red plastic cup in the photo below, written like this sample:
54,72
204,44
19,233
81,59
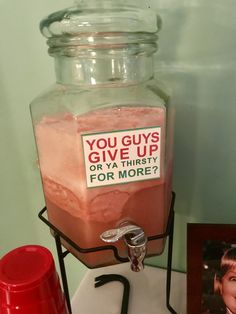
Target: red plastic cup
29,283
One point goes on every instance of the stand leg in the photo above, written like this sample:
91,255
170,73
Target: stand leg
169,266
63,271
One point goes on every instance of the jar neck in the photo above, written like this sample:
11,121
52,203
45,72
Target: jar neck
104,70
102,42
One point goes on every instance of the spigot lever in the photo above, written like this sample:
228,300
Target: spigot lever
113,235
135,240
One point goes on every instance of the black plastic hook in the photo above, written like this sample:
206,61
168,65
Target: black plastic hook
103,279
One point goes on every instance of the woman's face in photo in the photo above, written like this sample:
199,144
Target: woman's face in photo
229,290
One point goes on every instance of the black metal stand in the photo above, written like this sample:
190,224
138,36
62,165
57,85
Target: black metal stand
61,255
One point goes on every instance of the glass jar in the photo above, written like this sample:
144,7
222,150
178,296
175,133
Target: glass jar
104,131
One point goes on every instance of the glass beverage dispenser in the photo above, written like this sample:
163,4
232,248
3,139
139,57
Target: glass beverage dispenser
104,131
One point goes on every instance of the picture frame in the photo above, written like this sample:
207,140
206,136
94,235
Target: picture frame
206,244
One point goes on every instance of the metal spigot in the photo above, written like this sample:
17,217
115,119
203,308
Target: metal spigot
135,240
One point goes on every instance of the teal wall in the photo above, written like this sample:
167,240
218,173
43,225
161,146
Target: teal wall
196,59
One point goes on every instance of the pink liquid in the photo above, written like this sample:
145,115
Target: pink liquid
84,213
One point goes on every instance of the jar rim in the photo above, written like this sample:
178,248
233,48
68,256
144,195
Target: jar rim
82,20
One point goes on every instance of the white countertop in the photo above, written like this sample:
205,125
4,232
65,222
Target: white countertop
147,292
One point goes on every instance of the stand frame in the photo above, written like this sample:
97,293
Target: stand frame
58,235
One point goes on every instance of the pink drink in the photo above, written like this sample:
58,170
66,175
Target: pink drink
83,213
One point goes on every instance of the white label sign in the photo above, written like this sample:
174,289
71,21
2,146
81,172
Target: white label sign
122,156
